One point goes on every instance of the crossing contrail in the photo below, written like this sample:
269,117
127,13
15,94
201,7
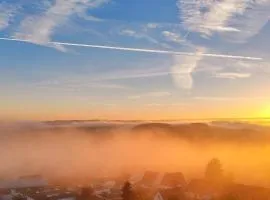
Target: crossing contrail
140,50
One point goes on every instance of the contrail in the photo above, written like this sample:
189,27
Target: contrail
140,50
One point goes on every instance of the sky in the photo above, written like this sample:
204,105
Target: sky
134,60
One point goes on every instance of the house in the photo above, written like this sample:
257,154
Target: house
109,194
44,194
115,194
24,182
5,194
61,196
149,179
172,180
247,192
170,194
201,189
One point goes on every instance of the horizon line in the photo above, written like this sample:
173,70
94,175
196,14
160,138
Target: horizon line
190,119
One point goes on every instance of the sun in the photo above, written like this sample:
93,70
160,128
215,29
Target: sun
265,112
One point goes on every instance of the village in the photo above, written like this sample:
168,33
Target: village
151,186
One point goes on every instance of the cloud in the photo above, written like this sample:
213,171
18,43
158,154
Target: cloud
232,75
106,86
88,17
231,69
173,37
78,84
152,25
136,73
222,98
221,28
154,105
183,67
159,94
209,17
263,66
213,66
128,32
166,105
212,16
6,15
137,35
256,16
151,94
40,28
134,97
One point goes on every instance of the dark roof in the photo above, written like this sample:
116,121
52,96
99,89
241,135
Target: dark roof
173,179
174,193
202,187
247,192
149,178
24,183
4,191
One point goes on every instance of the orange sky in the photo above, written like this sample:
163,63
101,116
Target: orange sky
204,110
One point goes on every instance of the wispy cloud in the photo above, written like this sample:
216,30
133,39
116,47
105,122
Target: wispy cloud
78,84
213,66
159,94
141,35
107,85
183,68
208,17
129,32
222,98
251,22
220,28
133,74
40,28
166,105
134,97
150,94
232,75
173,37
152,25
6,15
88,17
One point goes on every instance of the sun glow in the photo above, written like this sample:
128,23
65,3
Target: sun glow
265,112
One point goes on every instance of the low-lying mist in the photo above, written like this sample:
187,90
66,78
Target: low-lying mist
82,153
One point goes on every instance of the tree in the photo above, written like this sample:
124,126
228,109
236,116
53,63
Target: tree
19,197
214,171
229,197
127,191
174,197
86,193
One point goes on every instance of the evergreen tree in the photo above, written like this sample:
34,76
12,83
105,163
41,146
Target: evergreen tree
127,191
214,171
86,193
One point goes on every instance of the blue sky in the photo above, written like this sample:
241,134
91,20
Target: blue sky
41,79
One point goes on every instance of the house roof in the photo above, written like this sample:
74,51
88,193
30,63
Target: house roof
25,182
168,194
202,187
248,192
173,179
149,178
